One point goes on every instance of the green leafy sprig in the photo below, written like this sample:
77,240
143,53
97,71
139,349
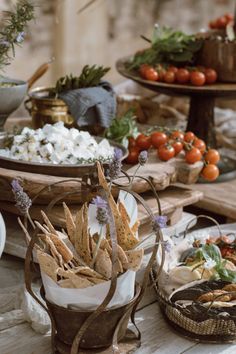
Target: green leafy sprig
122,128
168,46
209,253
89,77
13,30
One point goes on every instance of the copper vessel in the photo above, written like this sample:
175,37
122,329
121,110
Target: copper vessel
45,108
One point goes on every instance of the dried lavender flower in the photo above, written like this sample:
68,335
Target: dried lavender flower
23,202
143,156
159,222
115,165
167,246
102,212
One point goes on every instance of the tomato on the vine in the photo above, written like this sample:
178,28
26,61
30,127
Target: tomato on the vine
197,78
172,68
212,156
211,76
176,134
143,142
161,74
210,172
182,76
189,137
221,22
132,158
158,139
178,146
193,155
165,152
142,70
169,77
132,142
199,144
151,74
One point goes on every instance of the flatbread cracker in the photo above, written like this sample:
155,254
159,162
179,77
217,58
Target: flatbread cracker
66,283
135,227
48,264
78,282
82,237
123,212
86,271
48,223
125,237
70,224
135,258
103,264
61,247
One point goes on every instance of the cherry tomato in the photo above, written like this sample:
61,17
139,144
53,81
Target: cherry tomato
143,142
132,142
142,70
226,251
132,158
193,155
169,77
177,135
213,24
212,156
158,139
200,145
229,17
174,69
182,76
221,22
189,137
151,74
178,146
165,152
210,172
161,74
211,76
201,68
197,78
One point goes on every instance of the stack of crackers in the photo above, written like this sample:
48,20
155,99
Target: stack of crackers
68,257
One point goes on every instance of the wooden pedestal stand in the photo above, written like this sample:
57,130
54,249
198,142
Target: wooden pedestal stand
201,112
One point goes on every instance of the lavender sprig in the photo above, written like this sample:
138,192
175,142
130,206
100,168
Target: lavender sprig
23,201
142,159
159,222
102,218
115,165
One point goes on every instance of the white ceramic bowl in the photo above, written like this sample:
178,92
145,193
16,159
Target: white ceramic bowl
2,234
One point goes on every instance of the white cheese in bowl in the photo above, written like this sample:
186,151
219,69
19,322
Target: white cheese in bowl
56,144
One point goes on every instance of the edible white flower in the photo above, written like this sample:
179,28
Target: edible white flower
209,264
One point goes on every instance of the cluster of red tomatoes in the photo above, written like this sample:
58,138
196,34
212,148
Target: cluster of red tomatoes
221,22
197,76
170,145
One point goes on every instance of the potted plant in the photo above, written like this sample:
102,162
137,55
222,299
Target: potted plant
12,33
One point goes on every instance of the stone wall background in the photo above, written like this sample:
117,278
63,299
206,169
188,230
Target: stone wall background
106,31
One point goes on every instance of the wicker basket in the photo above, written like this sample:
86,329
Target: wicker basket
194,320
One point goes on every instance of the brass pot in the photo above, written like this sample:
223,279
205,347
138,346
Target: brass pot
44,108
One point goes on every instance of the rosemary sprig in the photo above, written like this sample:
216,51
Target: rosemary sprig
89,77
13,30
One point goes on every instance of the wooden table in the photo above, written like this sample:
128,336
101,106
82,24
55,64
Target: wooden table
17,337
219,198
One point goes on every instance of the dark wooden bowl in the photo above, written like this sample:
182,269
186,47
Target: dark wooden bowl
101,331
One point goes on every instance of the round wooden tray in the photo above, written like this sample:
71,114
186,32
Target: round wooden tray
61,170
202,99
218,89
